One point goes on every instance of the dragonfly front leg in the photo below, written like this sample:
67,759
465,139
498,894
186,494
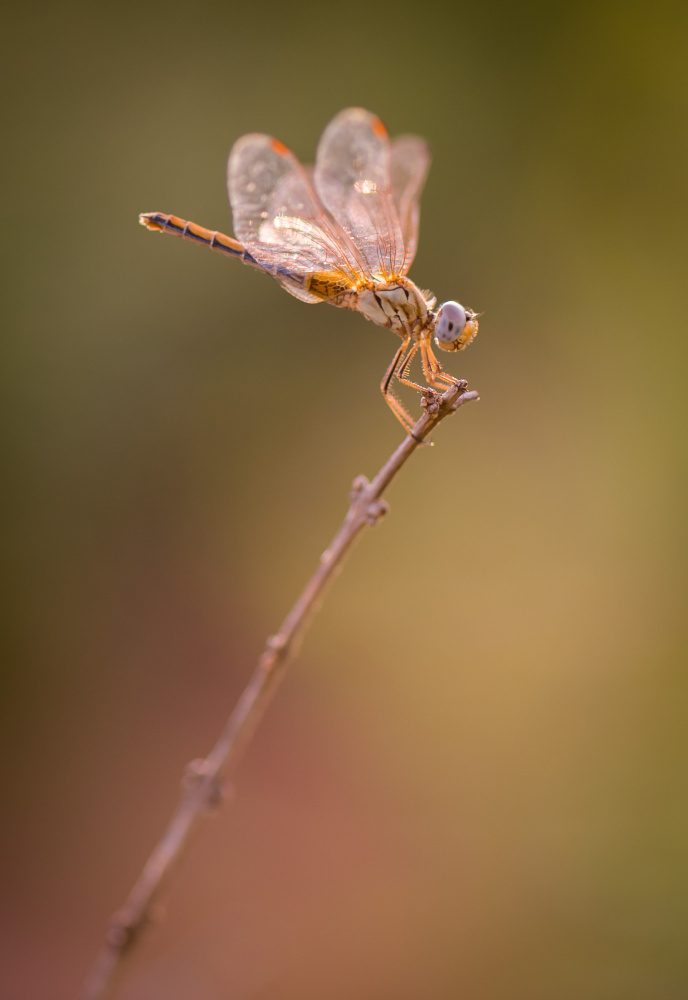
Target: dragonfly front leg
433,369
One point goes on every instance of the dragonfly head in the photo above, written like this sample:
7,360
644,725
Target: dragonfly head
455,327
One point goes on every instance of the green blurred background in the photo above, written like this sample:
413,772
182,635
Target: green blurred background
472,783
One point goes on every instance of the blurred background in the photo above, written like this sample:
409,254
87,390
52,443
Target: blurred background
472,782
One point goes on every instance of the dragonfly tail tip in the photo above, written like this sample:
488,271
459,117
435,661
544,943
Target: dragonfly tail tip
146,219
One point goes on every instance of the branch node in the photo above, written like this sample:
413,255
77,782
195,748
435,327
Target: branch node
122,932
194,771
201,772
431,401
463,397
358,486
376,510
276,643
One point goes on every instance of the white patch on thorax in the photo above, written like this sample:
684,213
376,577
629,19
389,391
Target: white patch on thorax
399,307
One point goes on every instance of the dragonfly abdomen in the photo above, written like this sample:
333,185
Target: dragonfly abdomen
197,234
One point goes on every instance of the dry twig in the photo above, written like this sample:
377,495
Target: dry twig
204,778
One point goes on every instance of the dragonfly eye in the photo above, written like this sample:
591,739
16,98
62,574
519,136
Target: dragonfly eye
450,323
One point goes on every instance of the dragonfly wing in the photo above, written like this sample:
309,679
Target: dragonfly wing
280,220
353,179
410,162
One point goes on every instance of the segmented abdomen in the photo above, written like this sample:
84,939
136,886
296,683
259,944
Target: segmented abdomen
197,234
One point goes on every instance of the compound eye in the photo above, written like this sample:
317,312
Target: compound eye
451,319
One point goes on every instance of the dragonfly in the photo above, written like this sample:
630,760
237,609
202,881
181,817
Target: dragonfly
345,232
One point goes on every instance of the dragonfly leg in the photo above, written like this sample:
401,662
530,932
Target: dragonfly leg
403,371
433,369
399,411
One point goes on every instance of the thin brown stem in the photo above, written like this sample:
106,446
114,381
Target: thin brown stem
204,778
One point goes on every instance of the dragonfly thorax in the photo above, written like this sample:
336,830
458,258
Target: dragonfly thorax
401,306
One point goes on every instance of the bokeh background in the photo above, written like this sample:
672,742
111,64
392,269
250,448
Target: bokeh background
472,782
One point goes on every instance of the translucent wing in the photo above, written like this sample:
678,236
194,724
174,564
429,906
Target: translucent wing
280,220
353,179
410,161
